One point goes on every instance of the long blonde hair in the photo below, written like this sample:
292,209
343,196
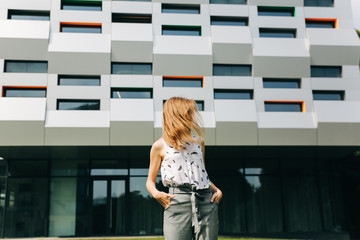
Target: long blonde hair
180,117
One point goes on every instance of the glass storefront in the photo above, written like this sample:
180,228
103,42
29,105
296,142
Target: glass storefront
100,191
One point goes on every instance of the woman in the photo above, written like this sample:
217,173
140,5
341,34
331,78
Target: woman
191,206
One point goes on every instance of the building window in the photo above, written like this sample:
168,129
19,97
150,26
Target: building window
229,21
231,70
233,94
81,5
183,81
328,95
274,106
277,33
320,23
131,68
72,80
80,27
200,105
29,15
276,11
228,1
281,83
131,93
318,3
74,104
26,66
180,8
131,18
326,71
39,92
181,30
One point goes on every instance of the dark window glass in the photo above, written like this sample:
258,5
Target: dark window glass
24,92
70,80
131,68
131,93
231,70
26,66
320,24
182,82
180,8
108,168
319,3
2,200
131,18
69,166
283,107
181,30
70,104
228,1
200,105
27,168
277,33
229,21
328,95
73,28
81,5
276,11
281,83
233,94
29,15
326,71
134,0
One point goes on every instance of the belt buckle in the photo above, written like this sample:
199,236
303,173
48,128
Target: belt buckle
193,188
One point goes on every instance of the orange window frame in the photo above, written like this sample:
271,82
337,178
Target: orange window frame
80,24
30,87
186,78
301,102
336,24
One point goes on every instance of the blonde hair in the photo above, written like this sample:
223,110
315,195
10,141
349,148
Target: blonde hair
180,117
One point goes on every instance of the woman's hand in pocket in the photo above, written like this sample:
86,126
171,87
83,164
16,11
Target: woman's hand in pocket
163,198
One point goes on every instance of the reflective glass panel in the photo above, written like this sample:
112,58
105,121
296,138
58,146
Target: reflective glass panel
200,105
2,200
283,107
131,93
26,66
229,21
28,168
228,1
326,71
67,104
281,83
131,18
231,70
328,95
319,3
320,24
29,15
69,167
178,8
80,29
276,11
131,68
277,33
232,94
182,82
99,207
81,5
111,167
118,207
181,30
24,92
79,80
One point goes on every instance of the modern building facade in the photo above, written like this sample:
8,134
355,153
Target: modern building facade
83,84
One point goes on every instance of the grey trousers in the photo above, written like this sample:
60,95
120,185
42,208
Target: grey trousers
191,214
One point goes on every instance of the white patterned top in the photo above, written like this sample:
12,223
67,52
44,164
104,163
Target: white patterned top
184,167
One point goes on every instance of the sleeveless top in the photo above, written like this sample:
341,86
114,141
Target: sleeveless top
184,167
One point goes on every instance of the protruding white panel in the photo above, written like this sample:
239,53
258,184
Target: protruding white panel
334,46
132,122
24,39
236,122
79,53
231,44
22,121
131,42
229,10
182,1
144,81
131,7
275,57
23,79
276,3
232,82
182,56
25,4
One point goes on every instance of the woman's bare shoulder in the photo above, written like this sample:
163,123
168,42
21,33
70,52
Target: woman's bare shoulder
158,145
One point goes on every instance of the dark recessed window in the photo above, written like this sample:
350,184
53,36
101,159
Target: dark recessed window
328,95
283,106
319,3
131,18
131,68
26,66
277,33
131,93
180,8
281,83
24,92
326,71
228,1
81,5
233,94
320,23
181,30
29,15
231,70
200,105
73,104
182,82
72,80
80,28
229,21
276,11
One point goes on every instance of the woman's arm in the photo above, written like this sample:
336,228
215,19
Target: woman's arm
155,163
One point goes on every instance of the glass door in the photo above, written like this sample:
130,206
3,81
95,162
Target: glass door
108,207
